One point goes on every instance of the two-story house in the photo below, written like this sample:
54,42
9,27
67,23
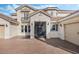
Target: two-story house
28,21
38,23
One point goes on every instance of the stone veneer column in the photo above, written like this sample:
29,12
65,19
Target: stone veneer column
32,30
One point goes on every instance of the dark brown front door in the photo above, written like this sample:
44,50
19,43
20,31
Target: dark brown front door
40,29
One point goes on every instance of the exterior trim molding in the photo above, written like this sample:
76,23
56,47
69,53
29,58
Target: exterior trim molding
76,13
18,8
7,18
39,12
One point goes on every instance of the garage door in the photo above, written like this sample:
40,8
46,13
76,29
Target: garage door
1,31
72,33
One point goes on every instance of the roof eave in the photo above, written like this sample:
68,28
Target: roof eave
41,12
24,6
76,13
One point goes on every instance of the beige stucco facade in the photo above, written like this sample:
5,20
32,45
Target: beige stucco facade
70,29
9,29
44,18
66,24
38,17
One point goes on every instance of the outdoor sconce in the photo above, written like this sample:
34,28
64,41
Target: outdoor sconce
61,25
48,24
6,25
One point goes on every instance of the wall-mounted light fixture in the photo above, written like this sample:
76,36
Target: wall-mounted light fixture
6,25
61,25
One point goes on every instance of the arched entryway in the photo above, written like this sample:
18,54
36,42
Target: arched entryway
40,29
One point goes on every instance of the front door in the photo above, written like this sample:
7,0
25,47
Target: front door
40,29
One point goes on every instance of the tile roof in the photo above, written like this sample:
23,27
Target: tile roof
38,12
65,11
7,18
51,8
24,5
13,14
75,12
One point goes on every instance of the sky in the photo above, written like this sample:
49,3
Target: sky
8,9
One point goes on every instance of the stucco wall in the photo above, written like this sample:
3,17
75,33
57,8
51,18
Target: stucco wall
53,34
7,27
19,20
39,17
67,21
19,15
52,13
13,30
61,31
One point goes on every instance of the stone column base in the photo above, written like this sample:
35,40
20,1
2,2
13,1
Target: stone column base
32,37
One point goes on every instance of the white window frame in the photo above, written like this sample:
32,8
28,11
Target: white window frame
55,27
23,30
24,15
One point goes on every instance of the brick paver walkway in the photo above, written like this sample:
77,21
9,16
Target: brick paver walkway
33,46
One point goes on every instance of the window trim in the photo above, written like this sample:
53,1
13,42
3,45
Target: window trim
22,28
25,15
26,29
55,27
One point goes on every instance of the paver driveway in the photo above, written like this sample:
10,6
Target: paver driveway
17,45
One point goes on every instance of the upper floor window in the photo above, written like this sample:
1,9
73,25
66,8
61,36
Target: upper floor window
24,15
54,27
51,13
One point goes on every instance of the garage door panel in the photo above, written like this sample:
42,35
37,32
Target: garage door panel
2,31
72,33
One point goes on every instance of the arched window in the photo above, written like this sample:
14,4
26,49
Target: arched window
54,27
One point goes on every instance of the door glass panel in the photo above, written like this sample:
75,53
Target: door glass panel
40,29
25,28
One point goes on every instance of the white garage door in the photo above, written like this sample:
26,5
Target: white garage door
72,33
2,31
